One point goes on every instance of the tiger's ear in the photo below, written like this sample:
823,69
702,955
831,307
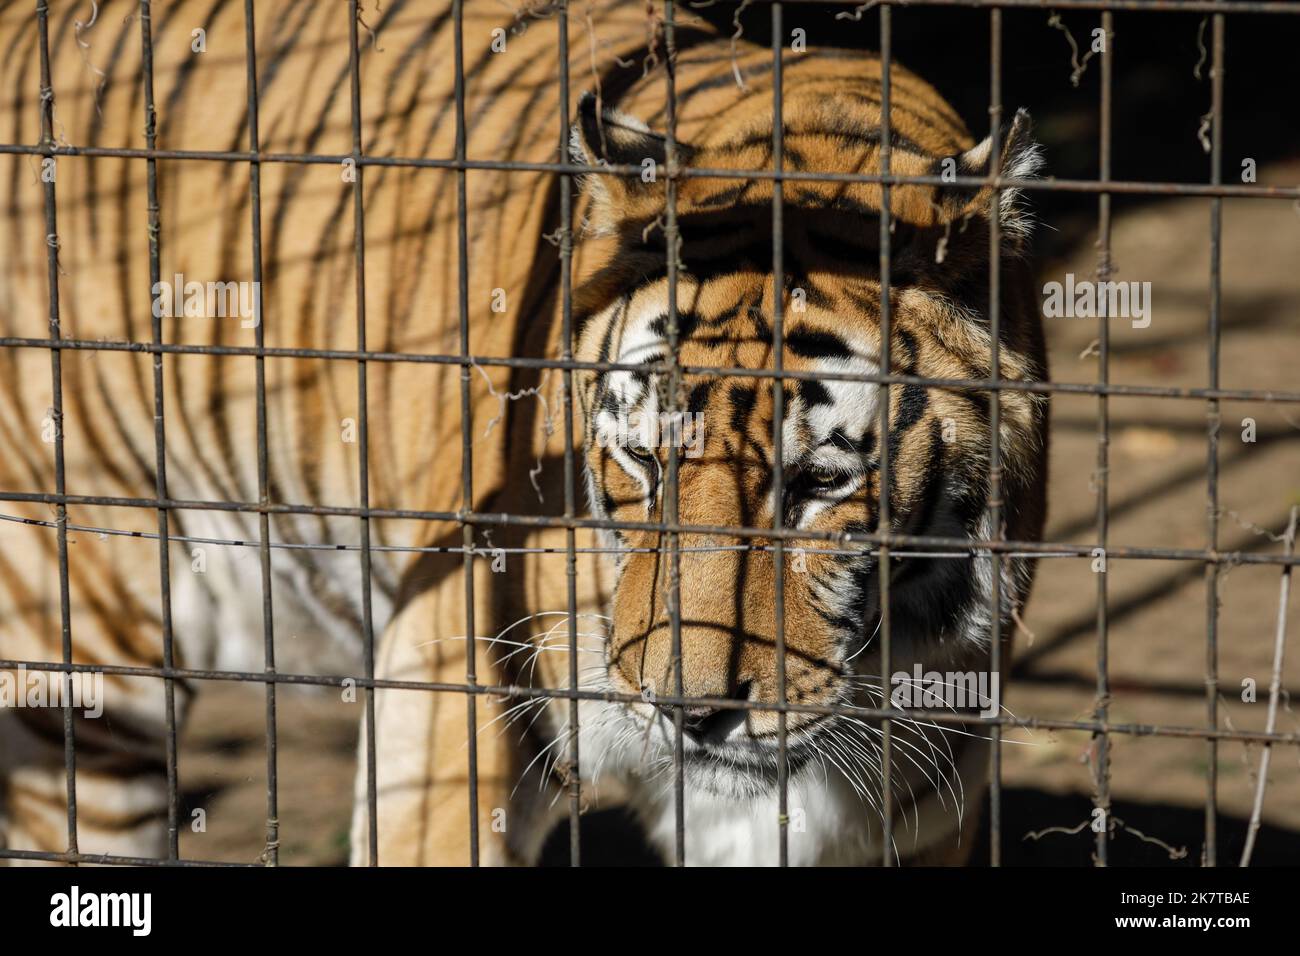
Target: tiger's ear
608,137
1021,159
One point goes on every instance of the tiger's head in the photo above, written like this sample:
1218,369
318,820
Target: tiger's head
720,427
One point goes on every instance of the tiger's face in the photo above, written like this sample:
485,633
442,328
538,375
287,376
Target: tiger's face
720,429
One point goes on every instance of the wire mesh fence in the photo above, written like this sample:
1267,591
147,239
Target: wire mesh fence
884,544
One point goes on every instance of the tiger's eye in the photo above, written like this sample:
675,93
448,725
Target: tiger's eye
822,477
642,453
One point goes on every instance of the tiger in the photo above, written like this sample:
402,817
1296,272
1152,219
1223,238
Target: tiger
384,328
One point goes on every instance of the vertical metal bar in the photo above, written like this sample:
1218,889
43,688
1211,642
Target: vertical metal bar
1212,451
994,506
159,432
1101,742
466,432
56,392
672,242
363,452
886,521
570,508
263,498
778,434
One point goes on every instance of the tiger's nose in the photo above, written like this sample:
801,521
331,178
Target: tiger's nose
712,725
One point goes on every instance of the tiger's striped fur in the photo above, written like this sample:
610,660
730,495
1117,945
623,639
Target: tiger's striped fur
419,602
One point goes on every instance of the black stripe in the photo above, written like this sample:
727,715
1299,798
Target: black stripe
816,344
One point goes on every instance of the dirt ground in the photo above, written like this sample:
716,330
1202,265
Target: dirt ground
1157,609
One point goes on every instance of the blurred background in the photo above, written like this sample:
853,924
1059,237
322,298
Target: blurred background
1157,474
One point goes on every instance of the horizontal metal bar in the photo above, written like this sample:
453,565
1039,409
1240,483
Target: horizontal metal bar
112,859
890,539
485,551
1228,190
512,691
499,361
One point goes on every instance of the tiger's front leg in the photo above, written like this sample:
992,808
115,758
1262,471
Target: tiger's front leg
423,768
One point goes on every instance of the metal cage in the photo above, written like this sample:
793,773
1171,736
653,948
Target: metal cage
885,543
